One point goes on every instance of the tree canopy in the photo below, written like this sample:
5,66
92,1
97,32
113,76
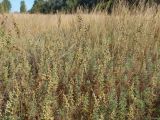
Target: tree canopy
37,6
70,6
51,6
5,6
23,8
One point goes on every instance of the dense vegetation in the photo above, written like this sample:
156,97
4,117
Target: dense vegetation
23,8
5,6
80,67
52,6
71,6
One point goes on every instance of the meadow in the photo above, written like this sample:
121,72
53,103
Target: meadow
81,66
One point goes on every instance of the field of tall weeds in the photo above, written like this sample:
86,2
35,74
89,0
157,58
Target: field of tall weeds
80,67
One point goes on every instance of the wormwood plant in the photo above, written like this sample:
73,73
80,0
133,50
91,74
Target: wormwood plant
96,67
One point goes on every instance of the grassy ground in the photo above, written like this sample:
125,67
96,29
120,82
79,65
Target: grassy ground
80,67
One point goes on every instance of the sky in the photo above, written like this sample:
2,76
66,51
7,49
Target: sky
16,4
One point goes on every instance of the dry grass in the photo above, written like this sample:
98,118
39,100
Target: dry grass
80,67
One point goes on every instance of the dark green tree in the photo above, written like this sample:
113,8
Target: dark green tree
52,6
23,8
5,6
37,6
1,8
89,4
56,5
72,5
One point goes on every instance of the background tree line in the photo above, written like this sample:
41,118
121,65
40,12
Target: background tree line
5,6
70,6
51,6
